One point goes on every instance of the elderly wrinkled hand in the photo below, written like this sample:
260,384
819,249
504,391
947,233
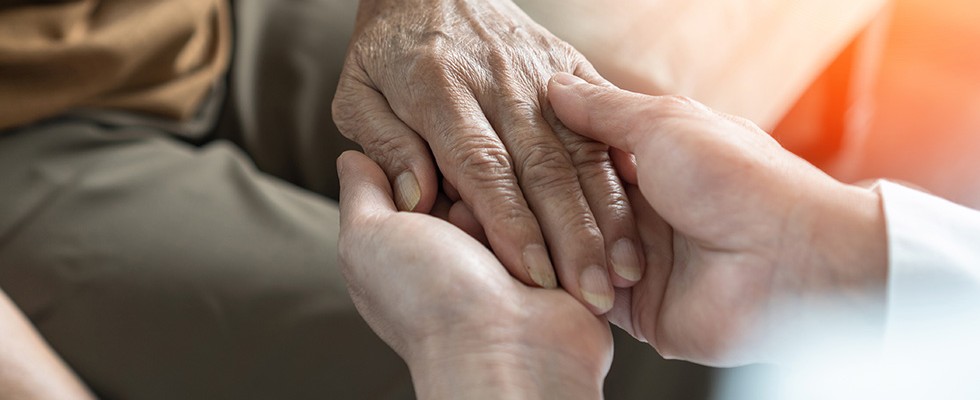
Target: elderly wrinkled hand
464,82
730,221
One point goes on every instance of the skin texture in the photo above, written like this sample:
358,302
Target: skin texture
731,224
461,85
29,369
465,327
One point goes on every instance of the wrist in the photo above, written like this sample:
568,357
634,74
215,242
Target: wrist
844,254
853,239
833,276
502,371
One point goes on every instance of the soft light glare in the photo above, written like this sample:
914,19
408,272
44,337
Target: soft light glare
931,354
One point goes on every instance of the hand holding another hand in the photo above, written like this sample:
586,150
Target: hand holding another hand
465,327
731,223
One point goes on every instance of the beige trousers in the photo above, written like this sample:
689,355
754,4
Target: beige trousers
161,269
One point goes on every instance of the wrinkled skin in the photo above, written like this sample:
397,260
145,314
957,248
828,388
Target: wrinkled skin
449,308
461,85
734,226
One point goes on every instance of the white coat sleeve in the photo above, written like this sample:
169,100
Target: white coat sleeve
933,257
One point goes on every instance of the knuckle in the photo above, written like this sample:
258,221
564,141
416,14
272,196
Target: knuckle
588,154
586,70
351,112
508,215
560,53
675,112
481,159
522,105
436,39
344,112
436,79
681,107
613,206
597,171
352,80
384,151
547,167
567,53
504,62
370,128
617,209
435,63
602,185
583,225
523,115
457,122
510,212
679,102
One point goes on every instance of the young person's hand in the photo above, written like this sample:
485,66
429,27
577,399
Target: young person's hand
730,222
466,328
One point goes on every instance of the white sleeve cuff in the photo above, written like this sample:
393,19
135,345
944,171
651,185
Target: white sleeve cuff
933,257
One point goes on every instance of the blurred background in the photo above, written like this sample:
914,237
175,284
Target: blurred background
925,127
864,88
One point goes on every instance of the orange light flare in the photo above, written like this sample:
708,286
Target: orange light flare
923,108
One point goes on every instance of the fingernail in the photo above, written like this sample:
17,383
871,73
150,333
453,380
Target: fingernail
539,266
596,289
567,79
625,260
408,192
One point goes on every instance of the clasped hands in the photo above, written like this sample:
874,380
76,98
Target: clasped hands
728,221
700,220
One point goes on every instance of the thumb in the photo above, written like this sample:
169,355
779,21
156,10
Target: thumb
619,118
364,188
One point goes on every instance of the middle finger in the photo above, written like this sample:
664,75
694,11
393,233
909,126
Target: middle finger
550,183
